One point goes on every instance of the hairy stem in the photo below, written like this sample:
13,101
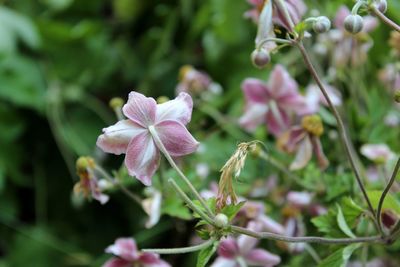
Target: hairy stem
385,192
179,250
190,203
385,19
341,128
306,239
161,146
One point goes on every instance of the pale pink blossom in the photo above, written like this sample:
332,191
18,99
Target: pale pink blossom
195,82
378,153
152,206
390,76
272,103
127,254
236,252
296,9
299,199
133,138
304,143
314,97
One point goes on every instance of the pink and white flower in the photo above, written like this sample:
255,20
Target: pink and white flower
378,153
127,254
133,137
314,97
243,252
272,103
196,82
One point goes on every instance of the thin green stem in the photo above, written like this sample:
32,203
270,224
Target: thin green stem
341,128
313,253
125,190
190,202
306,239
277,40
385,192
385,19
161,146
180,250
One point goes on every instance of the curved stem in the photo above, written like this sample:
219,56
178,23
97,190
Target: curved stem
190,203
306,239
161,146
385,19
385,192
179,250
341,128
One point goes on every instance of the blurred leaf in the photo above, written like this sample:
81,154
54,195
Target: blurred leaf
21,82
13,27
231,210
339,258
57,4
174,207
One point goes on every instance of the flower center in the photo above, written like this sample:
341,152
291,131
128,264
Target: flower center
313,125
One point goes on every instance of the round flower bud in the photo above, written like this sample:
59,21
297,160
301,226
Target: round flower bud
381,5
221,220
260,58
321,25
353,23
397,96
116,102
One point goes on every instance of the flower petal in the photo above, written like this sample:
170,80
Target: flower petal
303,155
253,116
247,243
152,206
176,138
142,158
261,257
223,262
152,260
116,262
323,162
115,138
179,109
270,225
124,248
281,83
278,121
255,91
140,109
228,248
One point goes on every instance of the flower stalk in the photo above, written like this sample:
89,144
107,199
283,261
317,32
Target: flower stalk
180,250
385,19
162,148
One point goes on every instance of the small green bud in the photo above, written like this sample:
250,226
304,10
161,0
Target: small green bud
116,103
322,24
162,99
397,96
221,220
82,163
353,23
260,58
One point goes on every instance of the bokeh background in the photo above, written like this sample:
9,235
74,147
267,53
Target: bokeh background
61,61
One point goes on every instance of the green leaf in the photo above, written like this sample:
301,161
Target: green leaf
327,224
231,210
340,257
351,211
205,254
341,220
174,207
390,201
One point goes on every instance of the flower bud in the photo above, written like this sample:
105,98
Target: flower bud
162,99
397,96
260,57
321,25
381,5
116,103
221,220
353,23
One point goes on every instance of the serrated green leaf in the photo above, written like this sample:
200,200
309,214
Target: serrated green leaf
351,210
174,207
205,254
341,220
340,257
